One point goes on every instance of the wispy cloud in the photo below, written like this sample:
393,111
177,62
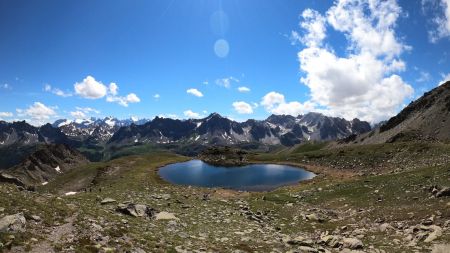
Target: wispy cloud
439,10
124,101
226,81
56,91
78,115
6,115
445,78
191,114
423,77
242,107
243,89
87,110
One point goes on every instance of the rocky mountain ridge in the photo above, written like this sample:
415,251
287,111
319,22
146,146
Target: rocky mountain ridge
94,130
217,130
425,119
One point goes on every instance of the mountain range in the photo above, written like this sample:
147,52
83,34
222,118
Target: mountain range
217,130
18,139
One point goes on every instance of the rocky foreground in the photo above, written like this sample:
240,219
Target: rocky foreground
123,206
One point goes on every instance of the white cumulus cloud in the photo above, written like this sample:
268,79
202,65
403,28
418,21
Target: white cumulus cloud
242,107
38,113
243,89
93,89
194,92
363,82
275,103
90,88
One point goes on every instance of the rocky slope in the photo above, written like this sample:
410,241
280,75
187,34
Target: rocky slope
43,165
127,208
426,119
20,139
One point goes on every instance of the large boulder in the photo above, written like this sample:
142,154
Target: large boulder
13,223
136,210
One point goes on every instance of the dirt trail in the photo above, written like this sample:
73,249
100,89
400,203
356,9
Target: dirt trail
62,233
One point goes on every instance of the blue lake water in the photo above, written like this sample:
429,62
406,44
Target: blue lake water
254,177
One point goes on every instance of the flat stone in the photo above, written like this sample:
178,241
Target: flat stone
165,216
107,201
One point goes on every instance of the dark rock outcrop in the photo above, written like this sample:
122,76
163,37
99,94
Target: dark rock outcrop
224,156
43,165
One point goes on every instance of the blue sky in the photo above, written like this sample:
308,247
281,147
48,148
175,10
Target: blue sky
59,58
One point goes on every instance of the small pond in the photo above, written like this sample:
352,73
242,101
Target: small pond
254,177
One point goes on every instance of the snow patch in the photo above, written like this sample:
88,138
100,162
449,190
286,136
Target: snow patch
110,122
58,169
64,123
70,193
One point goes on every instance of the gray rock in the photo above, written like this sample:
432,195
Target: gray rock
107,201
385,226
13,223
314,217
36,218
331,241
352,243
441,248
136,210
307,249
437,232
300,241
444,192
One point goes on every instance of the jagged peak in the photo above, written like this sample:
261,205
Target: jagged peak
214,115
